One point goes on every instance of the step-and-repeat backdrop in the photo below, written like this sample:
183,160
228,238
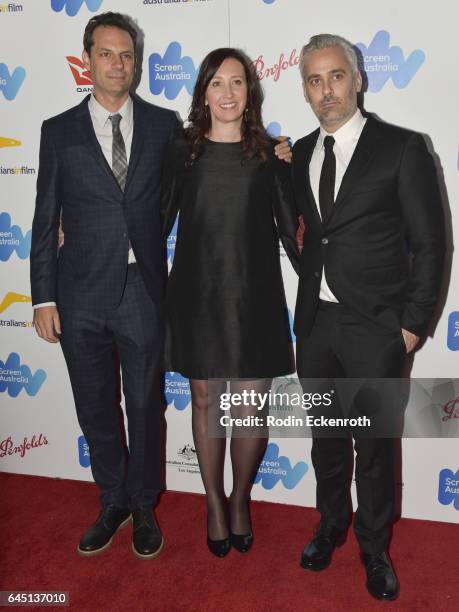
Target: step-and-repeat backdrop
411,67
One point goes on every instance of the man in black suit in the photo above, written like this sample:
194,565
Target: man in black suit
100,167
369,278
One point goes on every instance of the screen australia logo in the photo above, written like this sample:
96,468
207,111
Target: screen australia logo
383,62
171,72
275,468
448,488
73,6
10,82
14,377
177,390
12,240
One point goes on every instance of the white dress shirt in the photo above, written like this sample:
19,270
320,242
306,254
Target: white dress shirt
346,138
103,129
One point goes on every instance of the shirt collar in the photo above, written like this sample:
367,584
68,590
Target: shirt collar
346,133
100,114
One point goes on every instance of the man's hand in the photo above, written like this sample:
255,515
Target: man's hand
47,323
283,149
411,340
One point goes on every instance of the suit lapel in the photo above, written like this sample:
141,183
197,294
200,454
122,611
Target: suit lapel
302,170
363,153
90,139
138,139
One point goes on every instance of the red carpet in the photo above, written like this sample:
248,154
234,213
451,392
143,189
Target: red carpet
42,520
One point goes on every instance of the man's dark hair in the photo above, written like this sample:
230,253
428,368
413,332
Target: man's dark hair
113,20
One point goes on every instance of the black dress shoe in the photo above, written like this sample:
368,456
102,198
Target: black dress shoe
242,543
147,540
219,548
382,582
99,536
318,553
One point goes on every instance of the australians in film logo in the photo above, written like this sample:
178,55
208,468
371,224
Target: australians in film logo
11,7
177,390
453,331
81,75
448,488
383,62
10,299
13,240
15,377
10,82
83,452
9,447
171,72
275,468
72,7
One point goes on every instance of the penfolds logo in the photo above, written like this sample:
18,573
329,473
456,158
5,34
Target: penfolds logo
284,63
451,410
8,447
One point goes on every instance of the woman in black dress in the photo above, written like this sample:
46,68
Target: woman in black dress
226,311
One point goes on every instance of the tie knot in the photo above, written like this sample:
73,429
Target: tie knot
329,141
115,119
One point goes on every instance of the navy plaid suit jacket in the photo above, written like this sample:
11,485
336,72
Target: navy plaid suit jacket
99,220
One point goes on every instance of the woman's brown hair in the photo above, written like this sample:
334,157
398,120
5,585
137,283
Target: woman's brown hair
255,140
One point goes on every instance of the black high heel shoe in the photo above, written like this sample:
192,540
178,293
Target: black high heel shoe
241,543
220,548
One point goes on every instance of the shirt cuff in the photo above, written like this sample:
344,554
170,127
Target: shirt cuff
44,304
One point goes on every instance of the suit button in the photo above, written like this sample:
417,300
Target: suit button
324,240
124,235
317,274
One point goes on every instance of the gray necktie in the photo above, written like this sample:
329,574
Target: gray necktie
119,159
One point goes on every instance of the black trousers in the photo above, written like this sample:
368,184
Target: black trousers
88,340
340,345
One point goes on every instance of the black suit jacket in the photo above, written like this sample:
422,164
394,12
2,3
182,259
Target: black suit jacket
383,246
98,218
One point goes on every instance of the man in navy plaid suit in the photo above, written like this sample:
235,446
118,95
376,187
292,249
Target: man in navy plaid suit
100,168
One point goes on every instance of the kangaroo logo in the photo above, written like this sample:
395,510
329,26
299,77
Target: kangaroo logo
383,62
12,239
13,298
14,377
11,83
73,6
80,74
274,468
171,72
177,390
448,488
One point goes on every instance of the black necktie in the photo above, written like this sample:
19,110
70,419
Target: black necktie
119,159
327,180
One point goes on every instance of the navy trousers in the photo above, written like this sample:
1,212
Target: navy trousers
88,340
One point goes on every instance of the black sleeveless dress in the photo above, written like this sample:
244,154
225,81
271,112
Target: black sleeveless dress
225,304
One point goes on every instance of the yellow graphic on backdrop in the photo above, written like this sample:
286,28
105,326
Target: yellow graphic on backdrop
9,142
13,298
